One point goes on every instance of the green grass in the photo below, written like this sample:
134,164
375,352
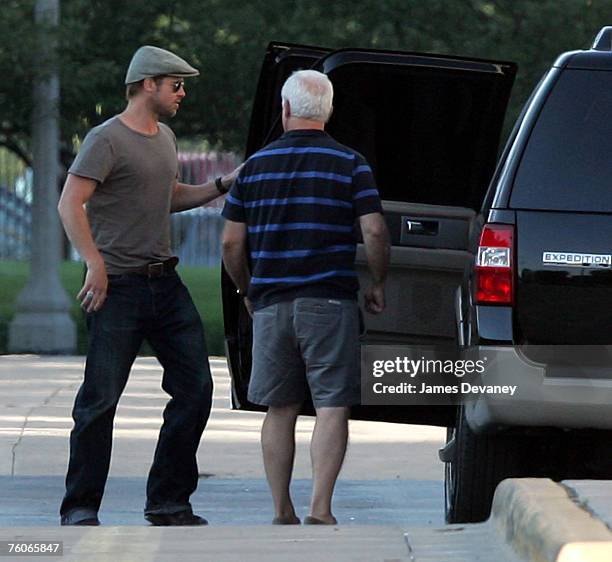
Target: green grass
203,283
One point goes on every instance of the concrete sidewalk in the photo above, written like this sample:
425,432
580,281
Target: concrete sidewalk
37,393
276,544
36,396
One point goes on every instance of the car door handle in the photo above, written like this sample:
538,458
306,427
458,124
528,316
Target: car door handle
420,227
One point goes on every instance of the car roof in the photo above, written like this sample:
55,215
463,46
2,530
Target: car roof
598,57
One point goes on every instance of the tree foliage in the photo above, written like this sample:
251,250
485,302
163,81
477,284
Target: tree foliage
226,40
16,46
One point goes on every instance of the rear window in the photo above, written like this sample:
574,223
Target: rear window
567,164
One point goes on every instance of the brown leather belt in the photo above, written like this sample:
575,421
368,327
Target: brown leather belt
156,269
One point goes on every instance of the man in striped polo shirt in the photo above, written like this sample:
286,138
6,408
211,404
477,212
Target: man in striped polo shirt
289,245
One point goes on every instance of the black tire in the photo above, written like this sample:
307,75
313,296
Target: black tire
478,465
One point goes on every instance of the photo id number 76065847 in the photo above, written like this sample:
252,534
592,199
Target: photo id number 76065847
31,548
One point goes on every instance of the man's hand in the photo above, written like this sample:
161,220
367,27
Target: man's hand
376,244
93,293
229,179
77,191
248,305
375,298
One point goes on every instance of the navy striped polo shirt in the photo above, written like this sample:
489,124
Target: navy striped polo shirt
300,197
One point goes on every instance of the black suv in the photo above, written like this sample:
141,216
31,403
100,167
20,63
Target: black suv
488,265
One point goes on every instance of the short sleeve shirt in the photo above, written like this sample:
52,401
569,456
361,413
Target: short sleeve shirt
129,211
300,197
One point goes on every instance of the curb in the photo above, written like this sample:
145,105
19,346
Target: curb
540,521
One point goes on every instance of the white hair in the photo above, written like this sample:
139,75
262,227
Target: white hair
309,94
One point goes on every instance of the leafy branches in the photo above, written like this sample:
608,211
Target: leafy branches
226,39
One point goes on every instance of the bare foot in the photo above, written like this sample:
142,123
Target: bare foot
311,520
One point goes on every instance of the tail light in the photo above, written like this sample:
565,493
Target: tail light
495,265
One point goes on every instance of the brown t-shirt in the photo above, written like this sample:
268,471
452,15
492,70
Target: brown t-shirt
129,211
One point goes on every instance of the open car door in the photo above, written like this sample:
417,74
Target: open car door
429,125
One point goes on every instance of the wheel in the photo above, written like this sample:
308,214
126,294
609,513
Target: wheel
478,464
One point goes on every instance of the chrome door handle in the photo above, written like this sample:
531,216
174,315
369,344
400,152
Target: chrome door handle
425,227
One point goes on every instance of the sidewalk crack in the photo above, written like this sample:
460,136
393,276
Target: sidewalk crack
25,423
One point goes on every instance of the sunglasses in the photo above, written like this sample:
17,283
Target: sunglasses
177,85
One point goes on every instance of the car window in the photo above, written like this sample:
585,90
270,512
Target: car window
567,163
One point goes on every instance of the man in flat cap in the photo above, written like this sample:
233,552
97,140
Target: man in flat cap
115,207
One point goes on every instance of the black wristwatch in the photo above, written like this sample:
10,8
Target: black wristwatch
220,187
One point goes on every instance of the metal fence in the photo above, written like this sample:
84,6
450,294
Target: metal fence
15,206
196,234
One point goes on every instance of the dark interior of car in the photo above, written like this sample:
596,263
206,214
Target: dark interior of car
424,131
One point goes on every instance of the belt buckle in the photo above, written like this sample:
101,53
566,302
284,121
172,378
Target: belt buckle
155,269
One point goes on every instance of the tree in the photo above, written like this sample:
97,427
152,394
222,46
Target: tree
226,40
16,46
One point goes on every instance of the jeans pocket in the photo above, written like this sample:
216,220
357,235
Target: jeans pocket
321,312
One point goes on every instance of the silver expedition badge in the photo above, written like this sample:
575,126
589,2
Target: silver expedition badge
572,259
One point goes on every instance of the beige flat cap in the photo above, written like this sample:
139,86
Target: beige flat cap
151,61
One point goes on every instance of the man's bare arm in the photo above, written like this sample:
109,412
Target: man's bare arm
185,196
235,255
77,191
376,243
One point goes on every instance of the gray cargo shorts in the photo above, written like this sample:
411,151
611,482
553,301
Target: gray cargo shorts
306,346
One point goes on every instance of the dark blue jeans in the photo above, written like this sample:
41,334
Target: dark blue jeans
161,311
